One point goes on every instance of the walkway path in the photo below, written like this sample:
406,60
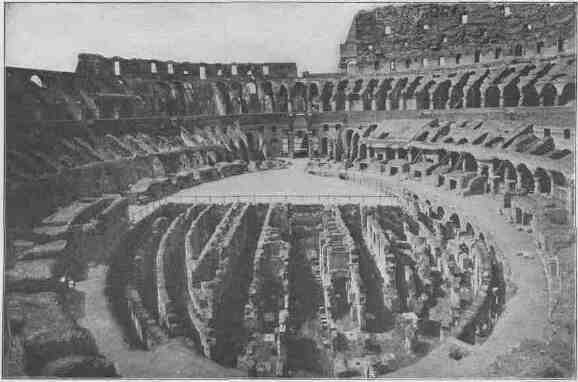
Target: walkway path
170,360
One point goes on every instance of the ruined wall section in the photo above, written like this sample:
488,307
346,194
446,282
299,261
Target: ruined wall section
474,32
267,311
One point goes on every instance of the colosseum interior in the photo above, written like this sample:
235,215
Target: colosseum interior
411,215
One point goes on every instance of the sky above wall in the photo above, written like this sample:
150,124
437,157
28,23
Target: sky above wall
50,36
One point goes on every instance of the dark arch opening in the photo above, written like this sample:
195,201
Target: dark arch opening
326,96
363,151
324,146
341,97
441,95
367,95
381,95
568,94
511,94
298,98
526,178
492,98
282,99
548,95
543,181
530,96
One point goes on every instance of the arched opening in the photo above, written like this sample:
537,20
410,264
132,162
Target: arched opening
568,94
469,230
301,145
511,94
395,94
544,183
455,220
326,96
442,94
530,96
282,99
423,97
363,151
298,98
348,138
474,97
268,98
470,163
492,98
548,95
440,213
518,50
381,94
525,178
313,94
251,145
341,97
324,146
367,95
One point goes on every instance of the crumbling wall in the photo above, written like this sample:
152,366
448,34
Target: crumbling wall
267,312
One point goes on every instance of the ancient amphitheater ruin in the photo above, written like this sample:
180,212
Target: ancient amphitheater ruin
410,216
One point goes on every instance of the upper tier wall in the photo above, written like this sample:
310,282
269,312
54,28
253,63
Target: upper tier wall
43,95
419,34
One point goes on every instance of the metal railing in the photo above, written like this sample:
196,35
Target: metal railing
137,212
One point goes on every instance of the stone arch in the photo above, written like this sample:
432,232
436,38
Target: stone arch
244,151
348,139
367,95
442,95
440,213
184,162
471,164
423,98
268,97
340,96
382,93
469,229
395,94
492,97
158,170
568,94
511,94
282,99
526,180
326,96
543,181
530,95
455,219
363,151
548,95
324,146
236,91
298,97
313,95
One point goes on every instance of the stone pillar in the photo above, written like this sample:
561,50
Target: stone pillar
373,105
464,164
347,105
465,91
537,185
291,142
431,97
289,106
333,108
